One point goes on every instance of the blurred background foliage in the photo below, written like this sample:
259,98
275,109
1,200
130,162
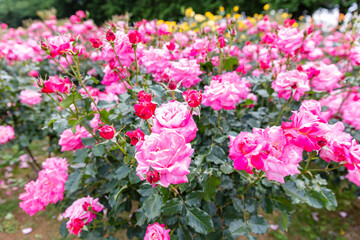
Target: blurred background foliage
13,12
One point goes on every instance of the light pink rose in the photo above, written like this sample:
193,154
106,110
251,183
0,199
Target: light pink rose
226,91
314,107
70,141
354,176
157,232
30,97
166,153
6,134
175,116
290,39
186,71
351,114
328,78
291,83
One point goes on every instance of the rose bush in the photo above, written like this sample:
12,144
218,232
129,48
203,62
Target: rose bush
182,130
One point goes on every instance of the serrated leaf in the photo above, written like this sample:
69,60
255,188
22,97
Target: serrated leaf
90,141
231,64
80,155
238,204
71,99
194,199
172,206
106,104
330,196
238,228
184,233
258,224
152,206
199,220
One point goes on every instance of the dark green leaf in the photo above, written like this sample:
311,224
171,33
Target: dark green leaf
199,220
172,206
231,64
258,224
210,184
98,150
238,228
122,172
106,104
152,206
73,182
71,99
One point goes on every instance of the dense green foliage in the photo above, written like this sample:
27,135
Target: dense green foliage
13,12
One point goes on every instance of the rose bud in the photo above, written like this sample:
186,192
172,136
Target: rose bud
172,85
145,110
152,176
136,136
144,96
221,40
171,46
134,37
96,42
33,73
110,36
107,132
192,97
76,225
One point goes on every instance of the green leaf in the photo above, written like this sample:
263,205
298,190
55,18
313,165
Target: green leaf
210,184
217,155
172,206
63,230
258,224
298,195
98,150
80,155
90,141
104,116
206,67
106,104
73,182
227,169
330,196
231,64
199,220
238,228
122,172
152,206
184,233
238,204
194,199
60,125
284,221
267,205
71,99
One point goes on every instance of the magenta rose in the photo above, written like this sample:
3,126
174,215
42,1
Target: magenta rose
166,153
290,39
291,83
175,116
30,97
157,232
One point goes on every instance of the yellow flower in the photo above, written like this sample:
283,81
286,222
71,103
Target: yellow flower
209,15
237,16
301,18
199,18
243,36
189,12
159,22
284,15
228,15
266,7
221,9
236,8
295,25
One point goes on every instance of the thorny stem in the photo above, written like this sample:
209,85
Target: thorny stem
324,170
122,67
177,192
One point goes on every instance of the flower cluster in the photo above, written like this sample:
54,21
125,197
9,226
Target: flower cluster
48,188
6,134
81,213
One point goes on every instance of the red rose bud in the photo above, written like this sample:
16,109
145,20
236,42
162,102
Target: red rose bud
134,37
152,176
221,40
192,97
144,96
172,85
107,132
171,46
310,29
96,42
145,110
136,136
110,36
76,225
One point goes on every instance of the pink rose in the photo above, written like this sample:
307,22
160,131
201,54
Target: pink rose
328,79
175,116
290,39
80,210
354,176
185,71
225,91
6,134
314,107
157,232
166,153
70,141
56,84
305,130
30,97
291,83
